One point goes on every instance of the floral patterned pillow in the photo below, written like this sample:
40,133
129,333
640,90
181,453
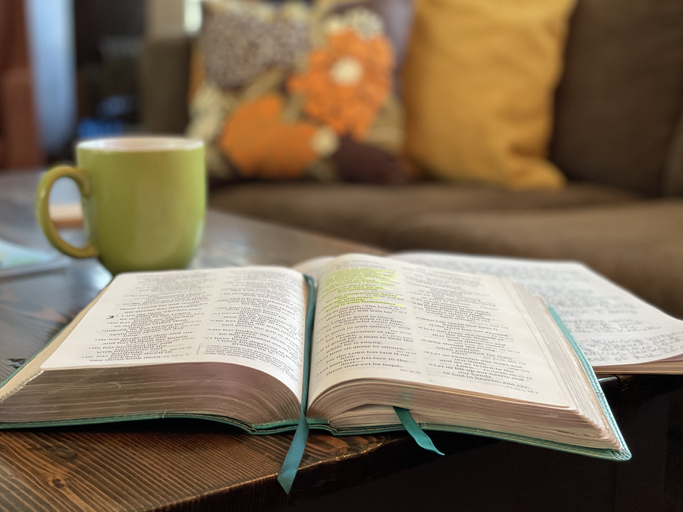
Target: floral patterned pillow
293,92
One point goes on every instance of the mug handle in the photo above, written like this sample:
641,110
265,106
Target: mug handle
43,208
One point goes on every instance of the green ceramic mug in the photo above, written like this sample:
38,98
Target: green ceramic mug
143,198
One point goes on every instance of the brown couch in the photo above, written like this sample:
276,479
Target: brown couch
618,137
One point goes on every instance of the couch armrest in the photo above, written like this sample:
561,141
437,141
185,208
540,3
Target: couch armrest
164,78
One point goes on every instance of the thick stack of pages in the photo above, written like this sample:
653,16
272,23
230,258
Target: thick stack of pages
462,352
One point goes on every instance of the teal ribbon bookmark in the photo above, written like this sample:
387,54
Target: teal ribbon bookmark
296,450
293,458
419,435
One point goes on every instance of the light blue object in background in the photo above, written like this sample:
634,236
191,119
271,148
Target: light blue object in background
17,259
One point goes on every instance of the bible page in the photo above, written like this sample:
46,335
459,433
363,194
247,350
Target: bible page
612,326
251,316
378,318
313,267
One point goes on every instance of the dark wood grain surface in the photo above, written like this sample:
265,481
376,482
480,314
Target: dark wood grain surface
176,464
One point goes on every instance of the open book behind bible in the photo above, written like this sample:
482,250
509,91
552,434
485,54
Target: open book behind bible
617,331
461,352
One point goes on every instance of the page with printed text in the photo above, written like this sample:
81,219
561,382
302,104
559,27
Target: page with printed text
378,318
253,316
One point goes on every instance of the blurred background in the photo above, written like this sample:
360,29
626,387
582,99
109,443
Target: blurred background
69,69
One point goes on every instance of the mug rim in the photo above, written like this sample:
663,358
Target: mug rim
140,144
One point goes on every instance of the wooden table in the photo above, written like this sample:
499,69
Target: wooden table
191,465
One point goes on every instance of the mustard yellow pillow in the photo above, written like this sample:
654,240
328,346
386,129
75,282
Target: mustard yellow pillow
479,80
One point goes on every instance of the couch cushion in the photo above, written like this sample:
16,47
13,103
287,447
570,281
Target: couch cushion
638,245
622,89
367,213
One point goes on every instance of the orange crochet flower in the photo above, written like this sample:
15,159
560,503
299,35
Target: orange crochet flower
261,145
346,83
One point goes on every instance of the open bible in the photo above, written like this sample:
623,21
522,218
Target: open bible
461,352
